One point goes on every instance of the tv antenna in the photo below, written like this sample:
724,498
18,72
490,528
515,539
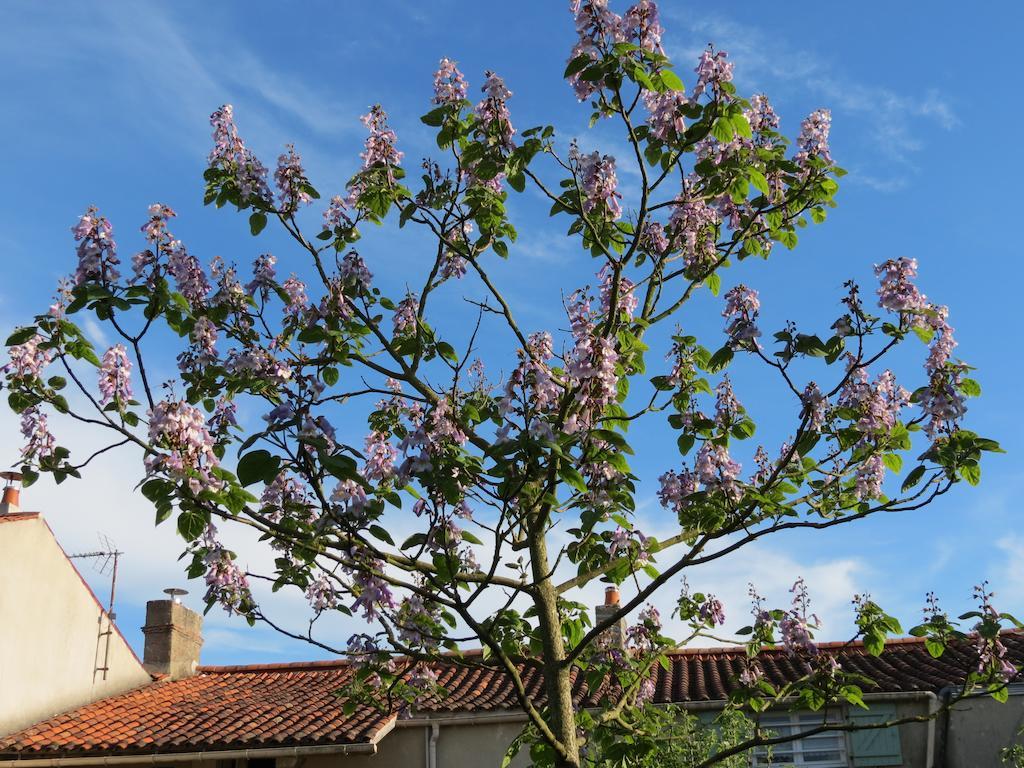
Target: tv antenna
104,561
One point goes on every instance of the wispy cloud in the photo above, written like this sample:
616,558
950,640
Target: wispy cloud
769,63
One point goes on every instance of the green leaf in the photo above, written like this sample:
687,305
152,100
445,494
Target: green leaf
191,525
257,222
893,461
722,130
758,180
256,466
330,376
913,478
381,534
671,80
970,387
714,283
572,477
21,335
971,473
720,359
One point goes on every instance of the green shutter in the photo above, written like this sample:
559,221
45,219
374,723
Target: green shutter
877,746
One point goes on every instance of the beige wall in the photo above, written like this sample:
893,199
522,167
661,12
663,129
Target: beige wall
979,729
49,627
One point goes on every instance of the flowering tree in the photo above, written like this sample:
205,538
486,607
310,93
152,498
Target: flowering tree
489,468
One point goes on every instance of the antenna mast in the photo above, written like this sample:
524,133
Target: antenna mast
104,560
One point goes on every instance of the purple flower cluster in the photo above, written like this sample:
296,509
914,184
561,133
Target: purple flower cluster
188,274
665,117
372,593
380,147
761,114
97,251
115,376
627,301
813,138
598,185
336,215
230,154
641,25
712,611
28,360
355,272
741,309
716,469
896,290
653,239
295,290
796,626
590,366
492,110
291,180
263,274
226,583
694,226
534,379
380,458
712,70
39,442
596,25
449,84
675,489
321,594
405,317
283,494
181,429
815,406
631,544
643,636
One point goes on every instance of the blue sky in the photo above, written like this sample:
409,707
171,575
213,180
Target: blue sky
108,105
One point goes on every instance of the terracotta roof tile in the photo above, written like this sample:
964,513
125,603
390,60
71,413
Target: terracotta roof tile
277,705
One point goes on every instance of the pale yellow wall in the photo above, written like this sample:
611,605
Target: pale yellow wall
49,625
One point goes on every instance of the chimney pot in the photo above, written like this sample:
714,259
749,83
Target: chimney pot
615,635
11,503
174,635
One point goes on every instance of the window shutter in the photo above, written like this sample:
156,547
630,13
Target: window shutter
878,746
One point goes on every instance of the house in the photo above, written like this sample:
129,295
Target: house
170,710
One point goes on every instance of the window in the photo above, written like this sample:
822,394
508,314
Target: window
826,749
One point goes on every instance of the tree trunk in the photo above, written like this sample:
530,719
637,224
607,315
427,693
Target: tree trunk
557,682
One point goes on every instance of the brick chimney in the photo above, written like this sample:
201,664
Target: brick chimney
174,635
11,504
615,635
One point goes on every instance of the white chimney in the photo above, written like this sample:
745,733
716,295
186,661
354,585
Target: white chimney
10,504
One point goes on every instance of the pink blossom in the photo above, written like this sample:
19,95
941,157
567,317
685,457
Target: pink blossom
28,360
355,272
188,274
321,594
715,468
181,429
653,239
380,457
813,138
97,251
677,488
263,274
741,309
291,180
664,114
761,115
694,226
226,583
712,611
39,442
405,318
727,405
897,291
626,302
492,111
596,26
598,184
335,216
815,406
115,376
870,475
625,541
295,289
230,154
712,70
640,24
380,146
449,84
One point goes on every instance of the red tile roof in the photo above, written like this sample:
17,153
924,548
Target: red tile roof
285,705
13,517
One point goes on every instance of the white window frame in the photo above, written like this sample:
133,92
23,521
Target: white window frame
801,720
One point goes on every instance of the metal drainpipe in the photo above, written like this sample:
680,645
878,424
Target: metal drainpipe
435,731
